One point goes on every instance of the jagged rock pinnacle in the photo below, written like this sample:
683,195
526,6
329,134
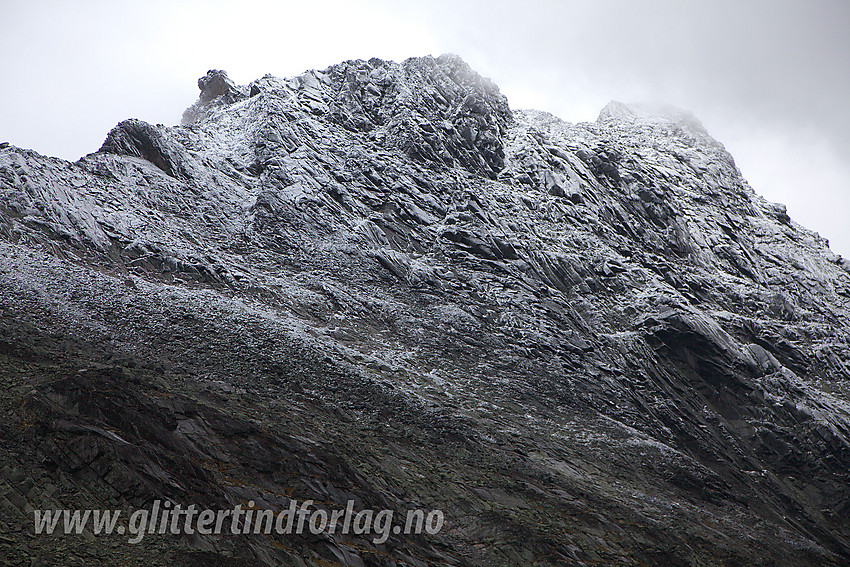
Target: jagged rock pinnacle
216,87
214,84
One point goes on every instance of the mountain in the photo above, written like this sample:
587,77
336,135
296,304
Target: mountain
584,344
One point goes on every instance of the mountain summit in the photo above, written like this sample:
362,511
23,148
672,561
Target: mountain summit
583,343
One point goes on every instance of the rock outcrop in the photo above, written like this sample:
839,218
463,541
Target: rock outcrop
584,343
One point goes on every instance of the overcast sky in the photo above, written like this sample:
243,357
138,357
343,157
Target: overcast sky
768,78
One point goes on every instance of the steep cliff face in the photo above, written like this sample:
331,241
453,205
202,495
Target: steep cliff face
585,343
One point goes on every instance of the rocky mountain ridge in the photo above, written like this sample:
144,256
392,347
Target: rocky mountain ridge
585,343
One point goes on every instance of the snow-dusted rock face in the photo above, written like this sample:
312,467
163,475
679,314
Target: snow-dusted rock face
585,343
